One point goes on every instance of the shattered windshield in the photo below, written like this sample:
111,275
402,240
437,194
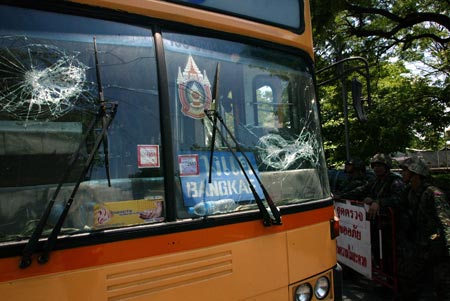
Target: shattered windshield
49,96
266,101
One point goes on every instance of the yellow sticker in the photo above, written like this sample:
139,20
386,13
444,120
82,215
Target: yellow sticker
125,213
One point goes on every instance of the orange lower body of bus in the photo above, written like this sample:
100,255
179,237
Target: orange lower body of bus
243,261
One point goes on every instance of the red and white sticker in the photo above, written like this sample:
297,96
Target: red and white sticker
188,165
148,156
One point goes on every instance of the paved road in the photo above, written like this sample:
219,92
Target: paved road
357,287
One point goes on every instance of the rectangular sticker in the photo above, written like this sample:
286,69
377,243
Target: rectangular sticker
148,156
188,165
132,212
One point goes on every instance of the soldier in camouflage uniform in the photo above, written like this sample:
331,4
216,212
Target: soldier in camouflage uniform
355,171
385,190
425,236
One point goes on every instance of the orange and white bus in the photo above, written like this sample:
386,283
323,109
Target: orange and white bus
162,150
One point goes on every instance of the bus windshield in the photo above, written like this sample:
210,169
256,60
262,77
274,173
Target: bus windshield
49,95
267,104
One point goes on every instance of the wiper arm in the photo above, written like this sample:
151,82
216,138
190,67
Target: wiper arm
37,233
215,107
32,242
266,217
273,209
102,102
213,115
107,113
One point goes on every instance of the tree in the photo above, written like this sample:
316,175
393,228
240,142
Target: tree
402,22
409,109
414,29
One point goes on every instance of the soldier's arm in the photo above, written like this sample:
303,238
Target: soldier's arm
358,194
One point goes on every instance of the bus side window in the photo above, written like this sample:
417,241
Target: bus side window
264,106
268,102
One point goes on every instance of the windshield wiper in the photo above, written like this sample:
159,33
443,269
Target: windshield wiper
104,119
106,114
214,107
107,110
213,115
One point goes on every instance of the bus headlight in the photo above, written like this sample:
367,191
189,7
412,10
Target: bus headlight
303,292
322,287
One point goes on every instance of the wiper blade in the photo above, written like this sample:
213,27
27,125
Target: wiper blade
268,219
32,242
213,115
215,107
102,101
107,113
273,209
259,202
37,233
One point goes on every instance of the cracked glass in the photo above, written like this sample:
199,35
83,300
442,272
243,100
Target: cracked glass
53,80
267,105
49,94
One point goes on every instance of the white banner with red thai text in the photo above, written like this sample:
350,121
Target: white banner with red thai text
353,242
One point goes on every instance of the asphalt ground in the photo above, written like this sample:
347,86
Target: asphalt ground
358,287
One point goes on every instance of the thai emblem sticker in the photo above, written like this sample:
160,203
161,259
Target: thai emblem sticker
194,90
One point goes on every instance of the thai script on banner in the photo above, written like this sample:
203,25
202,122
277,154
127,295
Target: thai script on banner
354,257
353,242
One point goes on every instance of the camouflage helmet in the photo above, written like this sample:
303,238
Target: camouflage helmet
383,159
416,165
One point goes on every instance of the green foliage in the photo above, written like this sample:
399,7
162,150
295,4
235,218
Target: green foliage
409,110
